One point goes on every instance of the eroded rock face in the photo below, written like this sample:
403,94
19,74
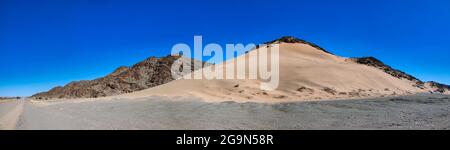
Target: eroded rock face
146,74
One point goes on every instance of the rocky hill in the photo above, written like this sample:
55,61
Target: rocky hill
373,62
7,98
306,72
146,74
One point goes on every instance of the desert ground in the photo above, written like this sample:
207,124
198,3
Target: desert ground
420,111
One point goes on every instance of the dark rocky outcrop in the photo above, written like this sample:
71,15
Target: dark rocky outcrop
329,90
156,71
370,61
440,88
290,39
373,62
146,74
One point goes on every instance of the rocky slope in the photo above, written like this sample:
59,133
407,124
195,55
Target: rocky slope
291,39
437,87
433,87
146,74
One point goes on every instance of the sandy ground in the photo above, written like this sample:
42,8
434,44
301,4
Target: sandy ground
423,111
10,112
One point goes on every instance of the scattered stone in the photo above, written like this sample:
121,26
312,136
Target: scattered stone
305,89
329,90
440,88
9,98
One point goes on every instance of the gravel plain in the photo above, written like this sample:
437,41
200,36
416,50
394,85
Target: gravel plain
422,111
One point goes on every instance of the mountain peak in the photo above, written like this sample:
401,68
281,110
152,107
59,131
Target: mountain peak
292,39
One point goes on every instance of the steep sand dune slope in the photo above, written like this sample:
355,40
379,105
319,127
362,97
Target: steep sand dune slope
306,73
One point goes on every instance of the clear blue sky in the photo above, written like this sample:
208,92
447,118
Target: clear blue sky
48,43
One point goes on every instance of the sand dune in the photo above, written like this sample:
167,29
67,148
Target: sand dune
306,73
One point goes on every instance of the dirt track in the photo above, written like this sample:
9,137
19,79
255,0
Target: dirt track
10,113
409,112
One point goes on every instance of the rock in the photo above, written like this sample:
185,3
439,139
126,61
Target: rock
329,90
438,87
280,96
373,62
146,74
